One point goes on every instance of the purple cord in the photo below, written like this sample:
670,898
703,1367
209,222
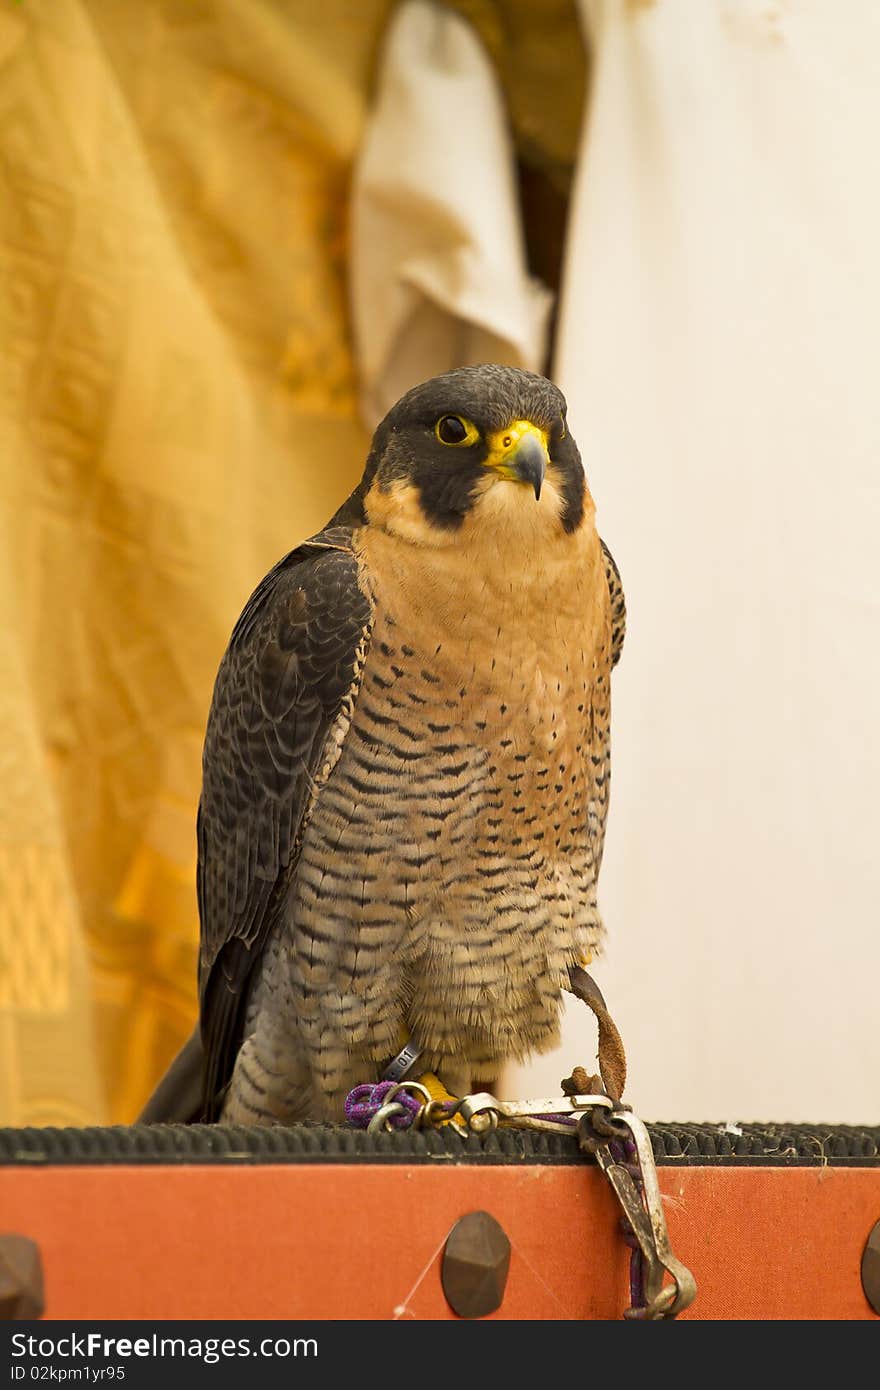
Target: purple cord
365,1101
624,1151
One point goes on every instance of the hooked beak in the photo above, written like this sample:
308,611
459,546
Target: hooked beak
520,453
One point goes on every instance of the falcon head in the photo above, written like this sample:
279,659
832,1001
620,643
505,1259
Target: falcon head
478,444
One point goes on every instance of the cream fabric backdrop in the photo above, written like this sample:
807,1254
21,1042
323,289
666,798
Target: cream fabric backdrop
719,350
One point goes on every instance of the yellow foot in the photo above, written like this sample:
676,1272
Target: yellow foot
437,1091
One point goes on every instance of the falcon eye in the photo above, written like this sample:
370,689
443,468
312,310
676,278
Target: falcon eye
452,429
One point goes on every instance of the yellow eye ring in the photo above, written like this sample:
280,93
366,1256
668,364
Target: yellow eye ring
455,431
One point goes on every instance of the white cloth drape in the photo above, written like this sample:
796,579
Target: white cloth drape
438,271
719,350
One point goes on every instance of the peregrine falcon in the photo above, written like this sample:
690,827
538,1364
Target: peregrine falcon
406,768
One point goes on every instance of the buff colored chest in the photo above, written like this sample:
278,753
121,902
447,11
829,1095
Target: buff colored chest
448,866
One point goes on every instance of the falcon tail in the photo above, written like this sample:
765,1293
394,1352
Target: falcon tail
178,1097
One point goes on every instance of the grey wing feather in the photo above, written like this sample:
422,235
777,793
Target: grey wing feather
290,666
598,812
618,605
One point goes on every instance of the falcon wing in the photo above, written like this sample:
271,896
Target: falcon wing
618,604
597,811
291,668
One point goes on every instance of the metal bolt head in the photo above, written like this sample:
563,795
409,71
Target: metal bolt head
871,1268
21,1279
476,1261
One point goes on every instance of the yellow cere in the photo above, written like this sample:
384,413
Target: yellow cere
504,443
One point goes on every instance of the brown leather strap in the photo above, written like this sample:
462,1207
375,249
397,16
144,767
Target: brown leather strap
612,1057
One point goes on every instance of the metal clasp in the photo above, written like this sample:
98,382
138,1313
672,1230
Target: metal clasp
391,1107
637,1188
556,1115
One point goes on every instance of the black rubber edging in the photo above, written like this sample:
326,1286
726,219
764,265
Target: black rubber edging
738,1146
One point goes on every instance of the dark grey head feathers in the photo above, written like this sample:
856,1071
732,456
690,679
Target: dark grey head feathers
488,399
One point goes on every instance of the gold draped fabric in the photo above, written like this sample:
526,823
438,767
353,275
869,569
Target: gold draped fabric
177,410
